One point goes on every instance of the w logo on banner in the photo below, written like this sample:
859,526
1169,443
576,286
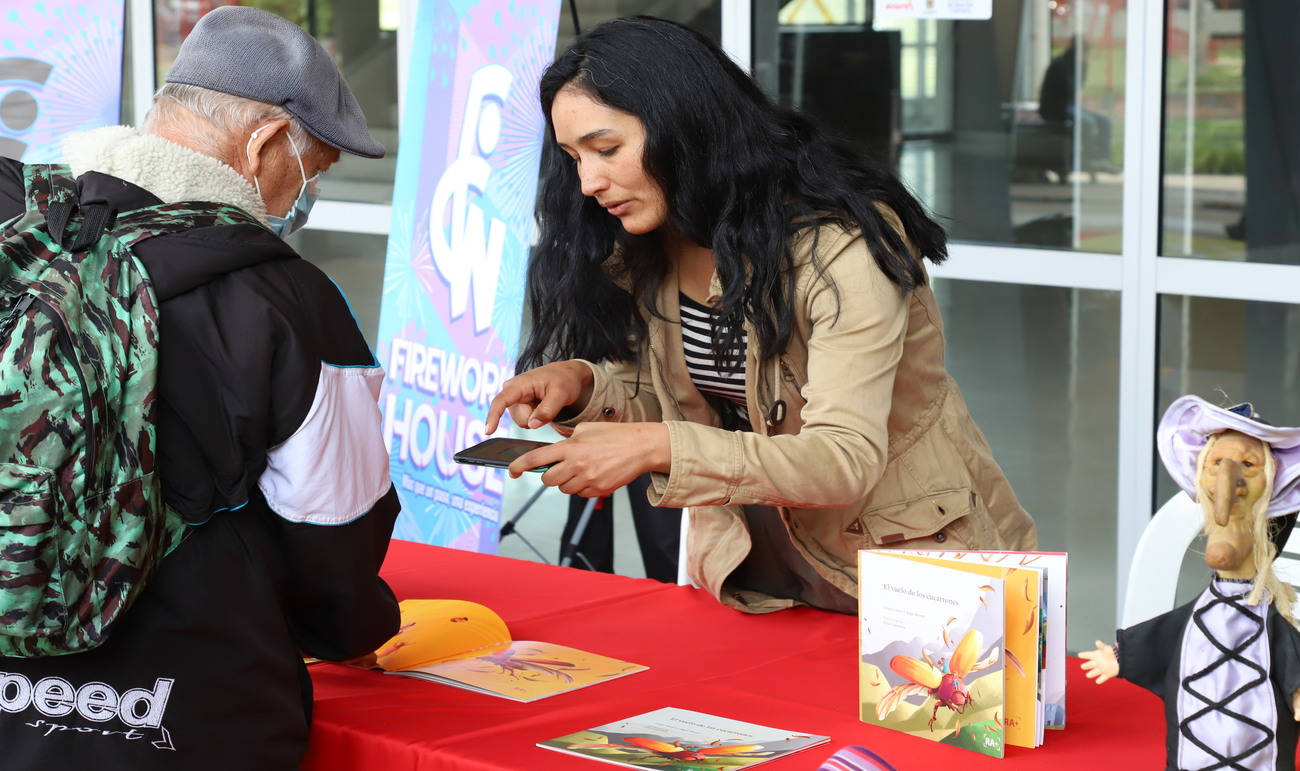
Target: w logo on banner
467,246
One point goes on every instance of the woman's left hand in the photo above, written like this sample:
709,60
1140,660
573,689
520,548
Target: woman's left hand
599,458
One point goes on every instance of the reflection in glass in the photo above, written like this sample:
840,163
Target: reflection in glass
955,106
1039,369
1230,83
1227,352
362,37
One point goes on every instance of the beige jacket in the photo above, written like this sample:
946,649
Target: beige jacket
875,448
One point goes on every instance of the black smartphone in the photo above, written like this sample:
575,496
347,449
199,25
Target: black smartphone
498,452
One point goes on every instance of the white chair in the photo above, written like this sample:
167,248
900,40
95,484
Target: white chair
683,577
1153,576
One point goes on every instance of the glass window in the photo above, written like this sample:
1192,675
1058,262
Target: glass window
362,37
958,107
1218,53
1045,396
703,15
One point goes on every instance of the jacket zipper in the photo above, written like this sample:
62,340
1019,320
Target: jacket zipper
20,307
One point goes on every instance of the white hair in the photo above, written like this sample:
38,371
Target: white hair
211,121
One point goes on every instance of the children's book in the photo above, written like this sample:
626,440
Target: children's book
932,651
681,739
1055,567
1023,718
466,645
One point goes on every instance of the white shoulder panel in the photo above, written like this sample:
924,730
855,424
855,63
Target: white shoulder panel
335,466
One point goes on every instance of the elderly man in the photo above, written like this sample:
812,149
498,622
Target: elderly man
269,440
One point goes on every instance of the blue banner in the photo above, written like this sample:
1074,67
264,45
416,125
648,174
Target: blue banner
457,252
60,71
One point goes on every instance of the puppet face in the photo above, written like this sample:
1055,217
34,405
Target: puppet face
1233,479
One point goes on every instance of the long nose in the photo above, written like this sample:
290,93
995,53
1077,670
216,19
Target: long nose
1228,485
593,180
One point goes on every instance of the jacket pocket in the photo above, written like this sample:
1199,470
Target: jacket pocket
936,521
26,495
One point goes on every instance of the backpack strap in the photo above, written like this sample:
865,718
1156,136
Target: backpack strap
51,189
132,227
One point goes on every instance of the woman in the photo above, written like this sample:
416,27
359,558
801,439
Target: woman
768,345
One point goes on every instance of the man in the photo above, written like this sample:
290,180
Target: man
269,439
1057,103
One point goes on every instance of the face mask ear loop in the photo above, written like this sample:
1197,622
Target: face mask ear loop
249,157
301,169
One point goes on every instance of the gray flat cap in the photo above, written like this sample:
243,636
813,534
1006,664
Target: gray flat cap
257,55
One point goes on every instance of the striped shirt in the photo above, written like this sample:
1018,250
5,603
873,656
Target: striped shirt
698,324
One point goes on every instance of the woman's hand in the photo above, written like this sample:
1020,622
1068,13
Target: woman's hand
600,457
537,396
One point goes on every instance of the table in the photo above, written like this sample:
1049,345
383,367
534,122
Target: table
794,669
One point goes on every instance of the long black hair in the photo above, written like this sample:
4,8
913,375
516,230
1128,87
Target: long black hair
740,175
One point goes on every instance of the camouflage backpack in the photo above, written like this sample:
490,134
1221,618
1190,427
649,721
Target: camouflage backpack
82,521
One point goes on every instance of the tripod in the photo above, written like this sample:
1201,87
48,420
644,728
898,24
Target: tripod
569,550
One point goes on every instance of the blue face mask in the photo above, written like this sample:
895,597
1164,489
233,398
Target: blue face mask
296,217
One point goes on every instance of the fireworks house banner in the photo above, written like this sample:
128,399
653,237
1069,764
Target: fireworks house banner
454,274
60,71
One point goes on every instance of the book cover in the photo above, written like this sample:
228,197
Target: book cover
467,645
681,739
1055,566
1023,719
931,651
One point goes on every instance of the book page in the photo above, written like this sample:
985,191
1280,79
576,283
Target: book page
523,670
436,629
1023,636
1056,580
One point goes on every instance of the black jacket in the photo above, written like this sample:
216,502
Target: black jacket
266,393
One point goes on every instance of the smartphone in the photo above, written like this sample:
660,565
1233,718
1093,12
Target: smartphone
498,452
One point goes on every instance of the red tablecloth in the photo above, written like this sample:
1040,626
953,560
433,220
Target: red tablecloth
794,670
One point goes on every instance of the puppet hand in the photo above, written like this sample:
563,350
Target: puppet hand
1100,664
600,457
1295,704
537,396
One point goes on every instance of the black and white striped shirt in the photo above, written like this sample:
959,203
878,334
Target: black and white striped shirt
698,323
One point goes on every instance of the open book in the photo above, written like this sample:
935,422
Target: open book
466,645
679,738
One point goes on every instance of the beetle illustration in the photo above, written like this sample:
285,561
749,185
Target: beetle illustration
944,683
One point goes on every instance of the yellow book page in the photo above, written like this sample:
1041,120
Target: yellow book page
1022,644
526,670
436,629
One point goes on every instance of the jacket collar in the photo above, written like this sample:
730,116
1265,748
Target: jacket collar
169,171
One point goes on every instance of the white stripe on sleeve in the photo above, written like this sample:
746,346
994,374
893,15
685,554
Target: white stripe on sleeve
335,466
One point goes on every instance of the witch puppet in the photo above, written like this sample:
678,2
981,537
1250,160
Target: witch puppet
1232,692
